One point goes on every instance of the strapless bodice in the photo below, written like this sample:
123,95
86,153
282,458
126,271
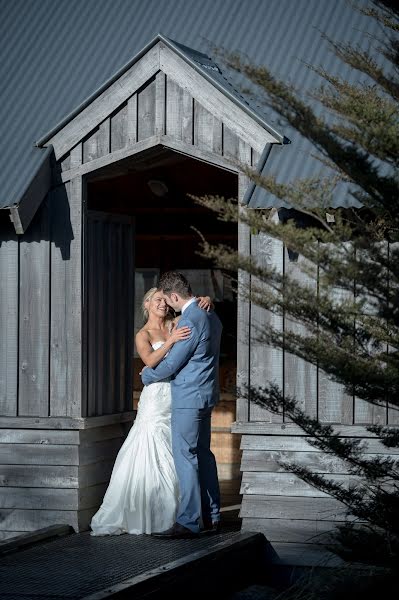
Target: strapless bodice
157,345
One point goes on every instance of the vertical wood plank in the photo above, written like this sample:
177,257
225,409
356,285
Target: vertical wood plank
119,128
146,112
230,143
160,103
65,162
34,317
76,156
255,158
300,376
97,143
60,255
9,269
203,127
267,363
179,112
187,118
174,110
132,120
243,305
110,277
335,405
217,136
93,231
365,412
66,300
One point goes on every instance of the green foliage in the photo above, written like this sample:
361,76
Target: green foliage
349,321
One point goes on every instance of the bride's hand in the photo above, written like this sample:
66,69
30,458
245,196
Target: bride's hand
205,302
181,333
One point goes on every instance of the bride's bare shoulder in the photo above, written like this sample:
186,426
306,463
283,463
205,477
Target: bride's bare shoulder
143,334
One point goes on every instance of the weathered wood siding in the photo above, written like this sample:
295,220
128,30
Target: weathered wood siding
275,502
65,333
40,311
159,112
318,395
9,320
54,476
281,505
43,354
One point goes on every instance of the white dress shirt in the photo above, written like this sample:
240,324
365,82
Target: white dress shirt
183,308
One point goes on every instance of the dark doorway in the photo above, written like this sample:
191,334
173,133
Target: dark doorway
156,191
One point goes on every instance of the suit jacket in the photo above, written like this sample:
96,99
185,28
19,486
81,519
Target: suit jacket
193,364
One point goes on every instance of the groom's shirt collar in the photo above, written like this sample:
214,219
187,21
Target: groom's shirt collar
187,304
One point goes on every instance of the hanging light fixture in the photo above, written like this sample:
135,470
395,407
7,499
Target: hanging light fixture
157,187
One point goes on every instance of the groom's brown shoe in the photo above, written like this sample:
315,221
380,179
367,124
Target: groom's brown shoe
177,531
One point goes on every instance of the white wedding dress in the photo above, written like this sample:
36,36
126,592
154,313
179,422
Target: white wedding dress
142,495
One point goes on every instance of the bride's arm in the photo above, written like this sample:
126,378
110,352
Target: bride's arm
151,357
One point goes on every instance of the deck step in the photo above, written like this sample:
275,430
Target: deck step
83,567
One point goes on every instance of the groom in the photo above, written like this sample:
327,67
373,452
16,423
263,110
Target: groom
194,366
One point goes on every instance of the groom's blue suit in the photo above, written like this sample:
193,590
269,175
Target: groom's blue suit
193,365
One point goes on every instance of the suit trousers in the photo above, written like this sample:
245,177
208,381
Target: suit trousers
195,466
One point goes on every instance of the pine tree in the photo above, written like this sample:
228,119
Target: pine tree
353,335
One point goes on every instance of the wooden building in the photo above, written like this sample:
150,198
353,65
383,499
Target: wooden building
118,177
108,207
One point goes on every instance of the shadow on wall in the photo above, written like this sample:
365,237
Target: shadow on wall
52,222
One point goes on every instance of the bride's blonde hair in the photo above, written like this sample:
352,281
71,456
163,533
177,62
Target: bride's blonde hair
147,296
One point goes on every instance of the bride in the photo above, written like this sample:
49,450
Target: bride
143,492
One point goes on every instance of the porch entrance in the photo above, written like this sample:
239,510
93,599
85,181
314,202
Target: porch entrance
153,225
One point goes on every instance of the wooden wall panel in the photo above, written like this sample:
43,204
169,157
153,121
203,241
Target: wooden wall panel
207,130
119,128
110,288
146,111
243,305
230,143
365,412
132,120
49,477
66,300
97,143
287,484
285,530
160,103
267,363
283,506
301,444
270,461
335,404
9,269
292,508
300,376
179,112
34,317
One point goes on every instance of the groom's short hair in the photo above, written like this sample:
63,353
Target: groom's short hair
175,282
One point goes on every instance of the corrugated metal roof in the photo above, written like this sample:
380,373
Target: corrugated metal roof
57,53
